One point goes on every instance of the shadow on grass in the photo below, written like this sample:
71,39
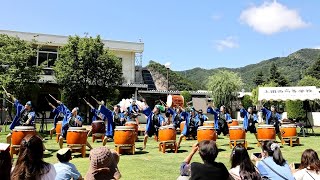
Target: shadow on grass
250,148
79,155
180,151
47,155
140,152
221,150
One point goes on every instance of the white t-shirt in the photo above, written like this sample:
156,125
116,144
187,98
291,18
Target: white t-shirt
51,175
235,172
304,174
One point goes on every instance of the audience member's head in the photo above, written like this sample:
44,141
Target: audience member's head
272,149
30,164
240,157
64,155
310,160
208,151
5,162
103,164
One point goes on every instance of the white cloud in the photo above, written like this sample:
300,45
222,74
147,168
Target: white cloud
272,17
227,43
316,47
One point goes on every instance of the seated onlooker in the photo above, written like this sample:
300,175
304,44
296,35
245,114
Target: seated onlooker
273,166
5,161
309,167
210,169
103,164
241,165
30,164
65,169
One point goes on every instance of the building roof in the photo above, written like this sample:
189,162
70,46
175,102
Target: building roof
58,40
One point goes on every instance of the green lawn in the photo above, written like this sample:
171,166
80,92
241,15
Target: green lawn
152,164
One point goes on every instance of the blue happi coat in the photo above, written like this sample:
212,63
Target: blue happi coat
187,117
19,109
107,114
67,115
150,125
58,111
174,114
268,115
245,116
216,116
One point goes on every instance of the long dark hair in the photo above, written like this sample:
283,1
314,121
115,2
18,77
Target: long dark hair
5,165
30,164
310,160
274,152
239,156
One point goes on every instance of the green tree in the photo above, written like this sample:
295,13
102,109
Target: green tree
309,81
246,101
259,79
295,110
224,86
314,70
85,68
187,96
255,92
276,76
16,73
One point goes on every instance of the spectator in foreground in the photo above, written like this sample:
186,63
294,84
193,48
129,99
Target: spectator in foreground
103,164
5,161
65,169
241,165
30,164
309,167
210,169
274,166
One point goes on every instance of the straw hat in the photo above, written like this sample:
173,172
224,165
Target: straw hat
103,164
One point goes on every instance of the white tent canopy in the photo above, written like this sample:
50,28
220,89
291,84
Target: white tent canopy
289,93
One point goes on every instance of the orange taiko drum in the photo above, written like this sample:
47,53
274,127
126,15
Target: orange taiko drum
288,130
124,135
266,132
208,123
167,133
77,135
175,100
58,127
19,132
98,127
233,123
206,133
182,125
133,124
237,133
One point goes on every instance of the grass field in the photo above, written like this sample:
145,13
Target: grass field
152,164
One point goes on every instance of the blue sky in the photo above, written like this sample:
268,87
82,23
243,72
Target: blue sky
188,34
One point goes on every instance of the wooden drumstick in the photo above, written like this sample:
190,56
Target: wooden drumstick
7,100
88,103
163,102
53,97
95,100
5,90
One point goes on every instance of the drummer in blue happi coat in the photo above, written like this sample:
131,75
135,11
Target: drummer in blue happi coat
154,121
221,119
58,115
191,125
249,120
71,119
176,116
201,117
273,118
25,116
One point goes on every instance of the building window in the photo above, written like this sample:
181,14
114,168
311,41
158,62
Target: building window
46,58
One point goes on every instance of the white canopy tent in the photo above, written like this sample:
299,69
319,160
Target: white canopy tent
289,93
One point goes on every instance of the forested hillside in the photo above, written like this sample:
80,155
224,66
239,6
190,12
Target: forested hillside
292,67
